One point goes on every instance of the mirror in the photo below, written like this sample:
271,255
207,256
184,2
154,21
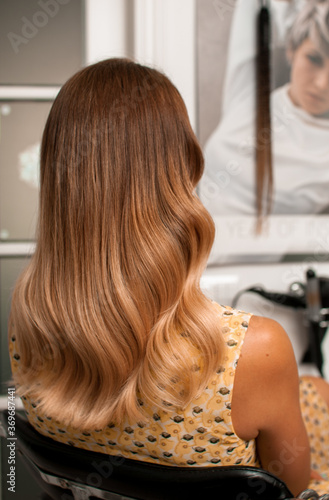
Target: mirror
299,127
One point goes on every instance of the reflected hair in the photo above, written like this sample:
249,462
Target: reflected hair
110,309
263,150
312,22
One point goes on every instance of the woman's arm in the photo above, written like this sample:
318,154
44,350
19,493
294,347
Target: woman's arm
266,405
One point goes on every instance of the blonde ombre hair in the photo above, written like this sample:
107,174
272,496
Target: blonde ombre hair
110,307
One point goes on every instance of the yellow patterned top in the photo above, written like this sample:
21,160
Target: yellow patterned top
201,435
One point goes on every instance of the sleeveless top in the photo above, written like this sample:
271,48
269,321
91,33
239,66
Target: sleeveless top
200,435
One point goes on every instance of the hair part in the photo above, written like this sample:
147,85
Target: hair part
110,309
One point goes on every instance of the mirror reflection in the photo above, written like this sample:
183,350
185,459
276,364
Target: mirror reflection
299,109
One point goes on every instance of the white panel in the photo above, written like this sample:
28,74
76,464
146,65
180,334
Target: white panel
105,29
165,38
16,249
20,92
179,50
144,31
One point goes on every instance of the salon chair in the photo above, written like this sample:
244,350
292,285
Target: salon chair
65,473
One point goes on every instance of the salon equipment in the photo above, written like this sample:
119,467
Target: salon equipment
314,316
312,495
312,297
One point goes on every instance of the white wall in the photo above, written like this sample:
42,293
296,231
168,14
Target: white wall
163,37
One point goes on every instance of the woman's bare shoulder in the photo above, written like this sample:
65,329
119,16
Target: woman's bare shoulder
267,342
266,361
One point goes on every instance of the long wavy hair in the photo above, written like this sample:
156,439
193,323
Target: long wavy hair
109,309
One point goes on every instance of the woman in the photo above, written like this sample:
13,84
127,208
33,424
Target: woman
114,347
300,115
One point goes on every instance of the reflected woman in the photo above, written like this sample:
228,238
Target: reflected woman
300,116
